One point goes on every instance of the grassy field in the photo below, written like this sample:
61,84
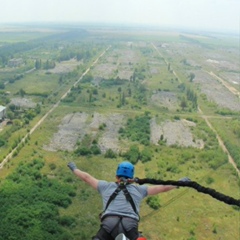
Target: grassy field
13,33
161,72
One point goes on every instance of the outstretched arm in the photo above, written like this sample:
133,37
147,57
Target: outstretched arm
86,177
153,190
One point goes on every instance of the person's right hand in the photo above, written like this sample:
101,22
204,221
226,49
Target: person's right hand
72,166
185,179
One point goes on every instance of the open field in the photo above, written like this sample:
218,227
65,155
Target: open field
111,91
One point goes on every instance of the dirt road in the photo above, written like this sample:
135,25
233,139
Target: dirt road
167,63
9,156
220,142
225,84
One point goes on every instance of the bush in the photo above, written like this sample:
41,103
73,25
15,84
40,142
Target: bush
173,169
133,154
209,180
110,154
2,142
137,129
146,155
153,202
95,150
83,151
52,166
67,221
102,126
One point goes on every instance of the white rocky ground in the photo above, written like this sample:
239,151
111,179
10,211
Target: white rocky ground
175,133
23,102
165,99
216,92
74,127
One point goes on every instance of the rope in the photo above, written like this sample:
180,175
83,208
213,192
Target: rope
164,205
213,193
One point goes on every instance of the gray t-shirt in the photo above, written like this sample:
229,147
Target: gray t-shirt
120,206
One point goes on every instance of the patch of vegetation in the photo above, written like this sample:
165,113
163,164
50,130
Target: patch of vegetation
112,82
137,129
29,205
140,92
2,142
133,154
86,151
153,202
110,154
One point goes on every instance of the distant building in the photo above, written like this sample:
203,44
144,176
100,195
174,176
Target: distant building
15,62
2,112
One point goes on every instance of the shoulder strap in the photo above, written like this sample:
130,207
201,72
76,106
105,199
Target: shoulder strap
121,187
113,196
129,198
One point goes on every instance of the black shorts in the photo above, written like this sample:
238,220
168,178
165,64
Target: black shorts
113,225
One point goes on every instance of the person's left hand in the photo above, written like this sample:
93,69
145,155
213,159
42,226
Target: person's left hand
185,179
72,166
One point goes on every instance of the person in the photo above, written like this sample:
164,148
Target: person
121,201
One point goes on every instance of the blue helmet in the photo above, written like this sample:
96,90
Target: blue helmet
125,169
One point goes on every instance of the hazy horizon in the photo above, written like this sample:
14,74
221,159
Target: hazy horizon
219,16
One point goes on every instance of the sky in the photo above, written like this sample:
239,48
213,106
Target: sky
218,15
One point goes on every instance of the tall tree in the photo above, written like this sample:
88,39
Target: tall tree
191,76
183,103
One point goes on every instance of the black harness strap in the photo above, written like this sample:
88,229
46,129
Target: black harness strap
112,197
121,187
129,198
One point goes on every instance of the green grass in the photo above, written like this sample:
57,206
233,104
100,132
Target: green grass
229,130
184,213
35,83
20,36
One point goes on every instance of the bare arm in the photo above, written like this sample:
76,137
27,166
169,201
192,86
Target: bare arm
86,177
153,190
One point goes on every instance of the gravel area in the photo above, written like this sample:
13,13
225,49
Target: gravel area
23,102
175,133
72,129
109,139
232,77
65,66
104,70
75,126
125,74
117,63
165,99
216,92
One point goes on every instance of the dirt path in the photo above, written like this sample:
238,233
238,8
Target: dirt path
220,142
9,156
225,84
167,63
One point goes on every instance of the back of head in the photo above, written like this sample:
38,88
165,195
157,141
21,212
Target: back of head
125,169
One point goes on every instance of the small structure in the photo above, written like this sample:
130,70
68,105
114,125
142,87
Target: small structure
2,112
15,62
